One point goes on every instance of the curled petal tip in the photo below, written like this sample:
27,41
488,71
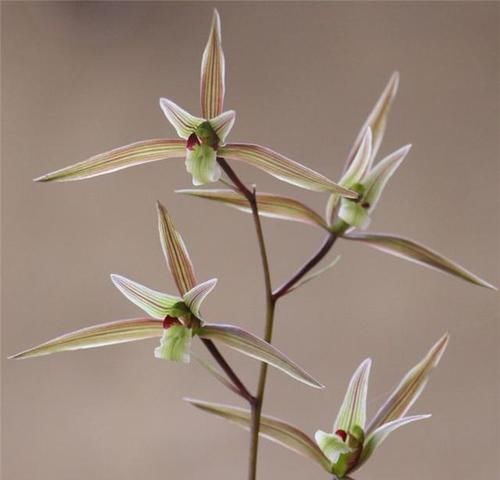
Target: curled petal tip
42,178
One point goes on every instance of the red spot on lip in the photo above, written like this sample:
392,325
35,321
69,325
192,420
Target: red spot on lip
342,434
169,321
192,141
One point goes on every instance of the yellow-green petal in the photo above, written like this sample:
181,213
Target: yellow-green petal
254,347
353,409
417,253
273,429
377,119
138,153
175,252
282,168
212,85
410,387
269,205
111,333
154,303
183,122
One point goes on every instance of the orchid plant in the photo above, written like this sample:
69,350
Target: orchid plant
177,319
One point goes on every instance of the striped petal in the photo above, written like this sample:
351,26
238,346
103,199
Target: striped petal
252,346
377,119
175,252
353,410
212,85
183,122
223,123
361,162
282,168
410,388
123,157
101,335
154,303
376,438
417,253
375,182
270,205
271,428
195,297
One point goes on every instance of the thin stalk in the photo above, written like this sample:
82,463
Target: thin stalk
307,267
271,299
256,406
268,336
240,386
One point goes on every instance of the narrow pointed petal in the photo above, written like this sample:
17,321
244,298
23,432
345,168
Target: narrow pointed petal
378,177
414,252
101,335
175,252
212,85
377,120
331,445
195,297
282,168
332,206
271,428
376,438
201,163
154,303
223,123
316,273
183,122
175,344
123,157
270,205
353,409
361,162
410,388
252,346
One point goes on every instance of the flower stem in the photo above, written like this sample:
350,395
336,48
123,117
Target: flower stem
256,406
271,298
240,386
307,267
268,336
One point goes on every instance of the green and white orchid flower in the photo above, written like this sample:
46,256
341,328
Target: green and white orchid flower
346,217
202,139
352,440
174,318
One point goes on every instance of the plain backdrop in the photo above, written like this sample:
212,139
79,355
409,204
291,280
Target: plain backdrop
81,78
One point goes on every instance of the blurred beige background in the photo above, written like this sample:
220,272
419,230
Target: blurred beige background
80,78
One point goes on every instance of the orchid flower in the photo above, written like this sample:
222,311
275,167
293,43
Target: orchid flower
347,217
353,440
202,139
174,318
